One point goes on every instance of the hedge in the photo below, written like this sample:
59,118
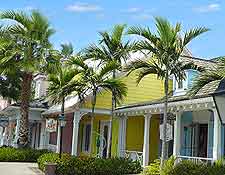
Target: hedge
185,167
71,165
9,154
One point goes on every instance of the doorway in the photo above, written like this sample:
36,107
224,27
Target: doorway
203,140
104,135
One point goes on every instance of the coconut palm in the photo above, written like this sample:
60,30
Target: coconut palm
98,79
23,44
213,75
111,48
163,50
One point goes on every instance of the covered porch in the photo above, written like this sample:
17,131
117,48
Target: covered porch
197,134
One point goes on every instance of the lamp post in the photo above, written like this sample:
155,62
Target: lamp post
219,100
62,124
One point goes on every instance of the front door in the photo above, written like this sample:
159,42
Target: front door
203,140
104,135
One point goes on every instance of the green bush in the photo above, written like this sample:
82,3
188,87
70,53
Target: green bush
9,154
188,167
70,165
154,168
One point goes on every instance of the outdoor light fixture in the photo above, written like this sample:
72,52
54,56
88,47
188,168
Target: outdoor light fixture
219,100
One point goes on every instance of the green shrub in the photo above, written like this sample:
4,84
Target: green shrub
70,165
153,168
9,154
188,167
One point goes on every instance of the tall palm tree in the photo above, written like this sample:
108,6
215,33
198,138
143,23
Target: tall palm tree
215,74
163,50
98,79
23,44
60,75
112,47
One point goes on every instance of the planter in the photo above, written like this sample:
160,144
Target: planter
50,168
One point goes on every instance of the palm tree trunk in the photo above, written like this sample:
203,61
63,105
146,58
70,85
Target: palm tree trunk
92,119
61,127
164,143
24,109
111,121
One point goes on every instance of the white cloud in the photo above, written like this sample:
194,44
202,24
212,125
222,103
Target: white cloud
142,16
83,7
132,10
208,8
29,7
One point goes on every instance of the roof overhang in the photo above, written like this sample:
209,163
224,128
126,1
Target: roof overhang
183,105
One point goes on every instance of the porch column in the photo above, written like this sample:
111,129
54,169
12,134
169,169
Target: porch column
177,134
76,121
17,132
122,136
58,138
43,136
216,136
146,140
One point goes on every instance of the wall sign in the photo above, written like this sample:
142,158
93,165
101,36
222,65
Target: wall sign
169,132
51,125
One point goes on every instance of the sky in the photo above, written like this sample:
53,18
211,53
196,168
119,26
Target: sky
79,22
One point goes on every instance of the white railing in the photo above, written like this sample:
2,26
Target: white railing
51,147
133,155
194,159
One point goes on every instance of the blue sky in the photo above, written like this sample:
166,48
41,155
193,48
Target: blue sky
79,21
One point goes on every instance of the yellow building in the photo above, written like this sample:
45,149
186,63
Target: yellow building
127,131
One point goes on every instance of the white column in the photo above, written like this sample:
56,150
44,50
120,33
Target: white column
76,121
58,138
122,136
16,132
146,140
216,136
177,134
43,141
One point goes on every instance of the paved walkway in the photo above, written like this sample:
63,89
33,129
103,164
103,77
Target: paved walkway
19,169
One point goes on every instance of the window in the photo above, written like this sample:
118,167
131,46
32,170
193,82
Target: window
86,137
180,84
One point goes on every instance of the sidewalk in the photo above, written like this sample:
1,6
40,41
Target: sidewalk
8,168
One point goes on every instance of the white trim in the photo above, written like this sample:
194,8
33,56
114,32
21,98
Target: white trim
97,111
182,105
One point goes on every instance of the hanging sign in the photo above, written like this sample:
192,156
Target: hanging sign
169,132
51,125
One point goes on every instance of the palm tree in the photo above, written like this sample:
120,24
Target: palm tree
215,74
164,50
10,87
98,79
111,48
60,75
23,44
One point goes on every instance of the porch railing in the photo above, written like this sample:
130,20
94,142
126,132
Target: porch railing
195,159
133,155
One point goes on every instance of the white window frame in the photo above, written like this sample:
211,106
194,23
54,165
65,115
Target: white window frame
185,83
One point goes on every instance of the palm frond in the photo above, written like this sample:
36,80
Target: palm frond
192,34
